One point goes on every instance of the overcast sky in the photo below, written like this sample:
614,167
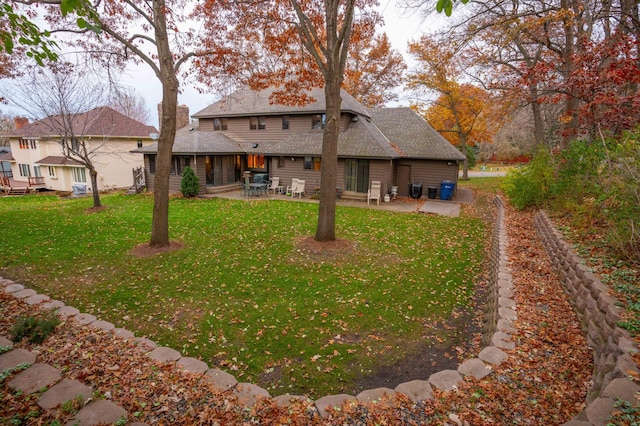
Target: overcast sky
400,28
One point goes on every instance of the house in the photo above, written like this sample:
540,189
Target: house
37,159
244,132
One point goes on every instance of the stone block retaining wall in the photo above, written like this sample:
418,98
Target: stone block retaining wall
599,316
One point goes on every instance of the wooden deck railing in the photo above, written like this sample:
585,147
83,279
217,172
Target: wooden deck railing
36,180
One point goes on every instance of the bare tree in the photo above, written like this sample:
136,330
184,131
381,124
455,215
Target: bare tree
65,101
6,123
131,104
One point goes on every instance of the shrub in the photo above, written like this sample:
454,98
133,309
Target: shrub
531,184
36,330
189,185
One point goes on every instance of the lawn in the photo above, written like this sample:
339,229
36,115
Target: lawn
244,294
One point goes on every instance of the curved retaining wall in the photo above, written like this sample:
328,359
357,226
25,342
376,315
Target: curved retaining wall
599,316
499,314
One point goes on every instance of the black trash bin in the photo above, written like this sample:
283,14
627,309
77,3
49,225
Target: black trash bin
416,190
431,192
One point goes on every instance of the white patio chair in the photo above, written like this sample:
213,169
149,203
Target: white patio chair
374,191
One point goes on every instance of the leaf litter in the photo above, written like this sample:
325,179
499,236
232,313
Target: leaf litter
544,380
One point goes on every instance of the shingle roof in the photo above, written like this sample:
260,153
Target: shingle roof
102,121
6,156
247,102
361,139
190,140
412,135
55,160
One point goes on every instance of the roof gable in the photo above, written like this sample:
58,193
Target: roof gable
101,121
248,102
412,136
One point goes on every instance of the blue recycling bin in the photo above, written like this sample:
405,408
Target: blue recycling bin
446,190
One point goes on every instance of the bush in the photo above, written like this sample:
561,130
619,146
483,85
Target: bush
36,330
530,185
189,185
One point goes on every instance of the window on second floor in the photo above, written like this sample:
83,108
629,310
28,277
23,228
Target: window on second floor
24,143
258,123
220,124
139,143
318,121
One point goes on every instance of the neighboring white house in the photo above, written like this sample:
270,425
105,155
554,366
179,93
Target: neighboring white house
38,159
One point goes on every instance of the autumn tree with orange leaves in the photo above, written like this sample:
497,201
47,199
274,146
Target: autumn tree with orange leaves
461,112
295,45
374,69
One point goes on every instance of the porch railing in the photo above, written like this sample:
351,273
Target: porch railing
138,179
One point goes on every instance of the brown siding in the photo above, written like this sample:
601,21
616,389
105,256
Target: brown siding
175,181
293,169
431,173
206,124
273,131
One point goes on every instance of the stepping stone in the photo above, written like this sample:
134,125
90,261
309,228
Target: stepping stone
145,344
4,342
64,391
54,304
475,368
99,412
12,288
103,325
505,302
622,388
192,365
332,401
508,314
85,319
23,294
36,299
374,395
493,355
599,411
417,390
505,326
221,379
34,378
68,311
164,354
286,400
445,380
502,340
123,333
15,357
249,394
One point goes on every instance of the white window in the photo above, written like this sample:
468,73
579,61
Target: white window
37,171
79,174
25,170
52,171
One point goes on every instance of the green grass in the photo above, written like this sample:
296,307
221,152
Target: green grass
240,295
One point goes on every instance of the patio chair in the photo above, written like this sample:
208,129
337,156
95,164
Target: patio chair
274,185
298,190
374,192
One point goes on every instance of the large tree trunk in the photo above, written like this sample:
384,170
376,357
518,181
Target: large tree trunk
326,230
463,149
94,184
538,122
160,221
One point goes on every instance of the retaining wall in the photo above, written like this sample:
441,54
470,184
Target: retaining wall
599,316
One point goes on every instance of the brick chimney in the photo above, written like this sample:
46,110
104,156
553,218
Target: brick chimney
182,116
20,122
